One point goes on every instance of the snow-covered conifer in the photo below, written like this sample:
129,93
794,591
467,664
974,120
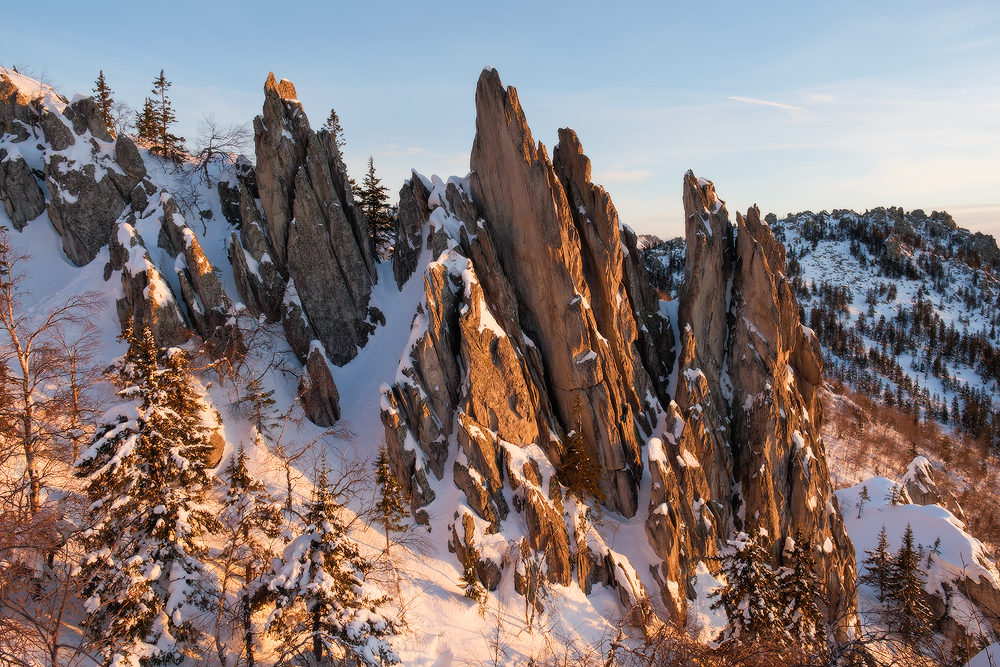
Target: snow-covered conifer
250,520
878,566
906,603
323,607
750,594
800,595
389,507
144,473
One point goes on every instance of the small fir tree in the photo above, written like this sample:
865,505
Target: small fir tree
258,406
878,566
389,507
373,198
332,125
906,603
158,120
322,606
862,500
145,124
145,475
472,588
105,100
800,596
580,471
750,595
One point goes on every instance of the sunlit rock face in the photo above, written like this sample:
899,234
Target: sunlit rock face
320,240
743,431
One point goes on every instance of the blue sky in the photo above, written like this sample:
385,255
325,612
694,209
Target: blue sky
792,106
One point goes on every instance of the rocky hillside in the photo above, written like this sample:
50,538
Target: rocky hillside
517,338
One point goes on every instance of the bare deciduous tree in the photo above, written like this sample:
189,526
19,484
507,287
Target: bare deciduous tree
219,143
32,357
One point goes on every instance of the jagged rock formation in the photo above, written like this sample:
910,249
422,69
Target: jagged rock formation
317,391
743,430
320,240
525,354
91,178
517,189
146,297
538,318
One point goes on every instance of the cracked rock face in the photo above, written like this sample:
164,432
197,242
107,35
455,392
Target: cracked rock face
22,197
527,355
319,239
536,242
742,446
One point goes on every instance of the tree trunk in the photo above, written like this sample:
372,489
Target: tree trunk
28,439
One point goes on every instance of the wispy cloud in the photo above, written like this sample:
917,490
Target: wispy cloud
767,103
624,176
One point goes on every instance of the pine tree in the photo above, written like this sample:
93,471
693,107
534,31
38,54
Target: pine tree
373,199
250,520
471,586
158,119
145,475
332,125
105,102
389,507
862,500
878,566
322,604
906,603
258,406
145,124
580,471
750,595
800,596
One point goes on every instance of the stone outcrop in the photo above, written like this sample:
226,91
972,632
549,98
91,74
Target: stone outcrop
209,308
146,297
317,391
258,277
84,205
18,116
504,367
410,219
91,177
776,365
22,197
319,238
536,242
742,447
538,318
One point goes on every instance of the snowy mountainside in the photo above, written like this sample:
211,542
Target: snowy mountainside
508,413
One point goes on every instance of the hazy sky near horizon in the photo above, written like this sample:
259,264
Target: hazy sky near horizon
789,105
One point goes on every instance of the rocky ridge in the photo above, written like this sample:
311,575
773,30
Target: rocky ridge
538,320
503,371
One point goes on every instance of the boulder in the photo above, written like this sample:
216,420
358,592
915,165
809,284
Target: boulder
22,197
317,390
83,208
